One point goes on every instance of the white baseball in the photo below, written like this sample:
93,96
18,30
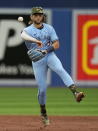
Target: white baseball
20,19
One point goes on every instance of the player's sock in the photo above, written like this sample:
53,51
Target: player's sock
43,110
44,116
73,89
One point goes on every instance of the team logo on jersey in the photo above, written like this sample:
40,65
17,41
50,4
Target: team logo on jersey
85,52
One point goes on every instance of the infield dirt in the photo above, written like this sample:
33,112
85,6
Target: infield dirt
58,123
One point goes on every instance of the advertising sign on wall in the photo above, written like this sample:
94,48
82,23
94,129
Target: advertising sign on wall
15,66
85,46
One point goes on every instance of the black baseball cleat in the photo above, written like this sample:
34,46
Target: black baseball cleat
45,120
79,96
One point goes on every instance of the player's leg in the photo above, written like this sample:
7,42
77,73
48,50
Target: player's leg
40,72
55,65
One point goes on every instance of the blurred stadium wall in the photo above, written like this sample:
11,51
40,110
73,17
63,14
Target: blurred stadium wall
76,23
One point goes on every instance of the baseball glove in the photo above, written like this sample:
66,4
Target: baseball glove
36,54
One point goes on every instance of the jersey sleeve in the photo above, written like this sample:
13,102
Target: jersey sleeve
27,30
53,35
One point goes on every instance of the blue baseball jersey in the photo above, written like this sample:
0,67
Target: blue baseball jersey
47,35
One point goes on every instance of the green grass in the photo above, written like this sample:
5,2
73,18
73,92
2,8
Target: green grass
60,101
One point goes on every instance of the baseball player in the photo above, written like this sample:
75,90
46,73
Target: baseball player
41,41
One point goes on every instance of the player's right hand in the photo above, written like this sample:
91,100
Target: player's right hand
39,43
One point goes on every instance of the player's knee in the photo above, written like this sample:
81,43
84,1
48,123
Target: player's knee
42,92
60,70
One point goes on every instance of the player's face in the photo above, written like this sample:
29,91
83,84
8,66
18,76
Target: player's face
37,18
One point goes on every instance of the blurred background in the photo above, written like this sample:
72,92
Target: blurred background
76,23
